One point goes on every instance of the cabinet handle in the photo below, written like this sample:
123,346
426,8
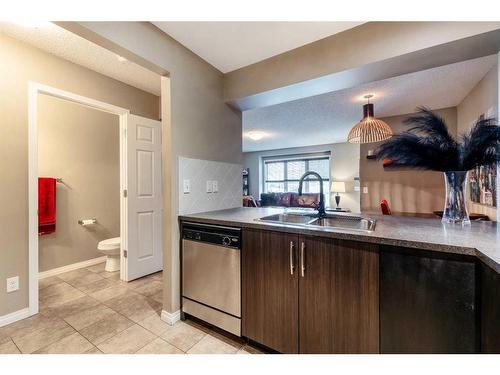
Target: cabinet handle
292,267
302,258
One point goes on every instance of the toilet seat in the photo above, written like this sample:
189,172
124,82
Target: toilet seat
109,244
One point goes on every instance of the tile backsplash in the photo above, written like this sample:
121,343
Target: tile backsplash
198,172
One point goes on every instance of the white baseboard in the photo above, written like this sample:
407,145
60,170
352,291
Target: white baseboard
14,316
171,318
71,267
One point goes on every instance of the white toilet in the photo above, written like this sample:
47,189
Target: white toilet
111,248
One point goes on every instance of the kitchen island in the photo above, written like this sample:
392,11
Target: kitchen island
411,286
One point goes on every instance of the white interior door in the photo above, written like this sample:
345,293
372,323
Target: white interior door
144,204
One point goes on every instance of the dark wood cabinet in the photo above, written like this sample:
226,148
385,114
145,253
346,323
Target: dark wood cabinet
490,310
353,297
428,302
270,289
332,308
338,297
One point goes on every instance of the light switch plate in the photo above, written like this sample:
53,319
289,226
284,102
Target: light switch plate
215,186
12,284
186,186
209,186
365,189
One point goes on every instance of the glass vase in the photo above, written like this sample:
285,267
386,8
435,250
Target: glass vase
455,205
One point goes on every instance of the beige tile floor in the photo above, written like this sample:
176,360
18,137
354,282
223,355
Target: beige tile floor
91,311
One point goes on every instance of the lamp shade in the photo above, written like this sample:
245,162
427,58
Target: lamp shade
369,129
338,187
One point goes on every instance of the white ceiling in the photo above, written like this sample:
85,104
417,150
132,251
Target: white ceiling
232,45
64,44
327,118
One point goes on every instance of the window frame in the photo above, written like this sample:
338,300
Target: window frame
293,158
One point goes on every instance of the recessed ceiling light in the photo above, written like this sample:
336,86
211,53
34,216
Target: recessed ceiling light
121,58
255,135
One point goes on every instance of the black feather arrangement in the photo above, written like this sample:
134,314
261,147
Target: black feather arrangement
427,144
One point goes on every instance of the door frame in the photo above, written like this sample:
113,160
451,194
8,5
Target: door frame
34,89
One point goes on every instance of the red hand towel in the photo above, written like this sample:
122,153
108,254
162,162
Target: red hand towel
46,205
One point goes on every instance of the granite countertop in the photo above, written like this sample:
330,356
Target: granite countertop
480,239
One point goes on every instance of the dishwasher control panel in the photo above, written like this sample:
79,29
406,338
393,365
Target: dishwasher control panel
222,236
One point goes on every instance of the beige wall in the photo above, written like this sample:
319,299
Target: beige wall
365,44
410,191
82,146
344,167
20,63
482,99
201,125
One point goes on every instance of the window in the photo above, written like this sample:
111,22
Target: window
283,174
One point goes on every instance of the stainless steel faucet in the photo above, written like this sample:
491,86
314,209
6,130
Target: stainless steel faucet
321,205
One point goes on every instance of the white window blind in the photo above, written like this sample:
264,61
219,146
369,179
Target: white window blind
283,174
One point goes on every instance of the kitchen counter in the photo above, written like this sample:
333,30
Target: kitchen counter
480,239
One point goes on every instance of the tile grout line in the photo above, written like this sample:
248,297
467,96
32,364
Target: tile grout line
109,338
178,347
116,334
76,331
30,333
188,349
53,342
100,303
11,339
149,342
169,343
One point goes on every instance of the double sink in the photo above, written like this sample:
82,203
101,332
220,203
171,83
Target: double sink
328,221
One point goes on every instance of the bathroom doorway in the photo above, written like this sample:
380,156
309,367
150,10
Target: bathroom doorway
122,186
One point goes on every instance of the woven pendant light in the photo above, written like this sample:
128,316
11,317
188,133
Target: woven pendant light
369,129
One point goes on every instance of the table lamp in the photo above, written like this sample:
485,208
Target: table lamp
338,187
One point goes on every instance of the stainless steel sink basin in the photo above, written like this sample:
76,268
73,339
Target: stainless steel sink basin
289,218
332,221
345,222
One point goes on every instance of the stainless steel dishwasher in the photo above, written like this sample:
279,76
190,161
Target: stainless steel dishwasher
211,274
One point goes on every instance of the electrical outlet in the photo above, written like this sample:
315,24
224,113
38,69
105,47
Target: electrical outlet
12,284
365,189
215,186
186,186
209,186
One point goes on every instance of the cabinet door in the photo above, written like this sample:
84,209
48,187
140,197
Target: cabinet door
338,296
270,289
490,310
427,302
